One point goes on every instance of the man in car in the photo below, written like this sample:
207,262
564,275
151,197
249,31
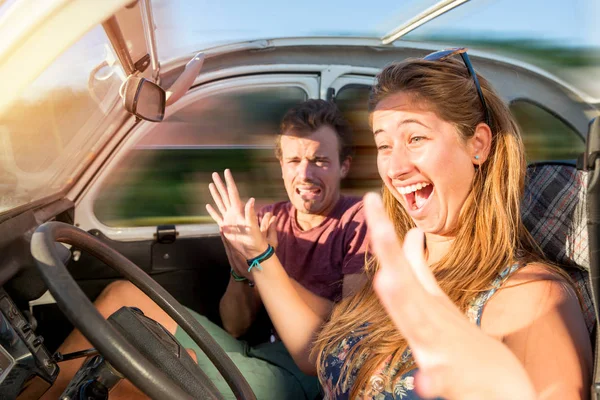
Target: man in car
319,236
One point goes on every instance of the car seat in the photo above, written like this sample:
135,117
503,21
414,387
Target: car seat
561,209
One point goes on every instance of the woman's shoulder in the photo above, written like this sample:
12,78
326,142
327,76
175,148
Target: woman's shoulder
533,290
536,272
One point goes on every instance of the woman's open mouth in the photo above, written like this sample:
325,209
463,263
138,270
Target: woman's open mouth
416,195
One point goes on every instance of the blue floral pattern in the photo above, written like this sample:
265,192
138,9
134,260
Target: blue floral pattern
385,384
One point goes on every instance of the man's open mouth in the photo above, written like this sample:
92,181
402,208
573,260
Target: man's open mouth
308,193
416,195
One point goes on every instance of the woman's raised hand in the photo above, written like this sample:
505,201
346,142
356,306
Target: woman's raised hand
237,221
456,359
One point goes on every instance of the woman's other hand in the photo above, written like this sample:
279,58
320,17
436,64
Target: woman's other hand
456,359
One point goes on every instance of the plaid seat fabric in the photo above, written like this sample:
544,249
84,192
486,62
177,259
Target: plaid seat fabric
554,212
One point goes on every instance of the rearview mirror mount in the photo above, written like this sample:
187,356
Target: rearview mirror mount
144,99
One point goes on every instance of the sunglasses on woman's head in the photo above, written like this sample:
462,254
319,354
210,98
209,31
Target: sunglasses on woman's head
445,54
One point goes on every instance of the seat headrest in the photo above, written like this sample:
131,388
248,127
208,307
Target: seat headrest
554,212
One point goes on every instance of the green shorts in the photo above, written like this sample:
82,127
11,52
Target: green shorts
268,368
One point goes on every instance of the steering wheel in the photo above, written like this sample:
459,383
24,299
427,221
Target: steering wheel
123,355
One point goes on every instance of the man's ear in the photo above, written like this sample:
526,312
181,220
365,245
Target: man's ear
345,167
480,143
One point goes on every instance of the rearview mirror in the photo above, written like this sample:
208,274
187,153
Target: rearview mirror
144,99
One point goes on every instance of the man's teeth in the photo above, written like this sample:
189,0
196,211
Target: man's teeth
412,188
311,190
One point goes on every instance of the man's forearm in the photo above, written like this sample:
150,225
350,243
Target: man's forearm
238,307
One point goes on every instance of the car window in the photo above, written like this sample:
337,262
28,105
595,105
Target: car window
363,176
546,136
164,179
59,121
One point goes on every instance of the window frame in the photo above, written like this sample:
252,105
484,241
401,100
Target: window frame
85,217
549,111
553,114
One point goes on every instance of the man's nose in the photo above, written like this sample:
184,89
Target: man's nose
305,170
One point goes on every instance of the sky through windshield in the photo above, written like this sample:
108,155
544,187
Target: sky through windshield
184,26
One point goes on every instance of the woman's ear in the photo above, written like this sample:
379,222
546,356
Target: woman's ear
480,143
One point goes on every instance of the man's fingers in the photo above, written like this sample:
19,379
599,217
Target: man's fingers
217,198
414,251
272,232
232,190
251,218
222,189
272,227
214,214
264,222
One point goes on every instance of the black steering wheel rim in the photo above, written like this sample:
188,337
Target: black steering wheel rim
105,338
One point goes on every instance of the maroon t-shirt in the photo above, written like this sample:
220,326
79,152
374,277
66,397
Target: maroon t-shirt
319,258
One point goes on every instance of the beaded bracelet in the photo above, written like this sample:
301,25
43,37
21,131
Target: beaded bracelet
239,278
255,262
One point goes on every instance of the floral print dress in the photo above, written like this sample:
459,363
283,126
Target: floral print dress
385,384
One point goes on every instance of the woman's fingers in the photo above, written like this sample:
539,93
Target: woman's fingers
401,293
214,214
384,241
221,189
414,251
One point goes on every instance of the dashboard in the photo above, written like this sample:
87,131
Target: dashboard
27,368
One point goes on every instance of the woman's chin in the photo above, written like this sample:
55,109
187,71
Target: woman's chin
430,227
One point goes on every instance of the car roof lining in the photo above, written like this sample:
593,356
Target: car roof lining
511,81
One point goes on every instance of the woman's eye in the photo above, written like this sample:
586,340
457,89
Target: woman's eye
417,139
383,147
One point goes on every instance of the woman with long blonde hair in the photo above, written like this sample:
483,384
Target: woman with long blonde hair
452,163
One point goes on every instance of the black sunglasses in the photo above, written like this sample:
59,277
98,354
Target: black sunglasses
445,54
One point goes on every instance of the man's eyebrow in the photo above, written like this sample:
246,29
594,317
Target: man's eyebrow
404,122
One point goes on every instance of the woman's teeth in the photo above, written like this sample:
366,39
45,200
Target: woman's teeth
412,188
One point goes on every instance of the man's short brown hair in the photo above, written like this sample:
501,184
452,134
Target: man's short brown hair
309,116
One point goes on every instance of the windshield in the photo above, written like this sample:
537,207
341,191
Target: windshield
53,130
560,36
186,26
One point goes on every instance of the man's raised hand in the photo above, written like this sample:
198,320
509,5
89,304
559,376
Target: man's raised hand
237,221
